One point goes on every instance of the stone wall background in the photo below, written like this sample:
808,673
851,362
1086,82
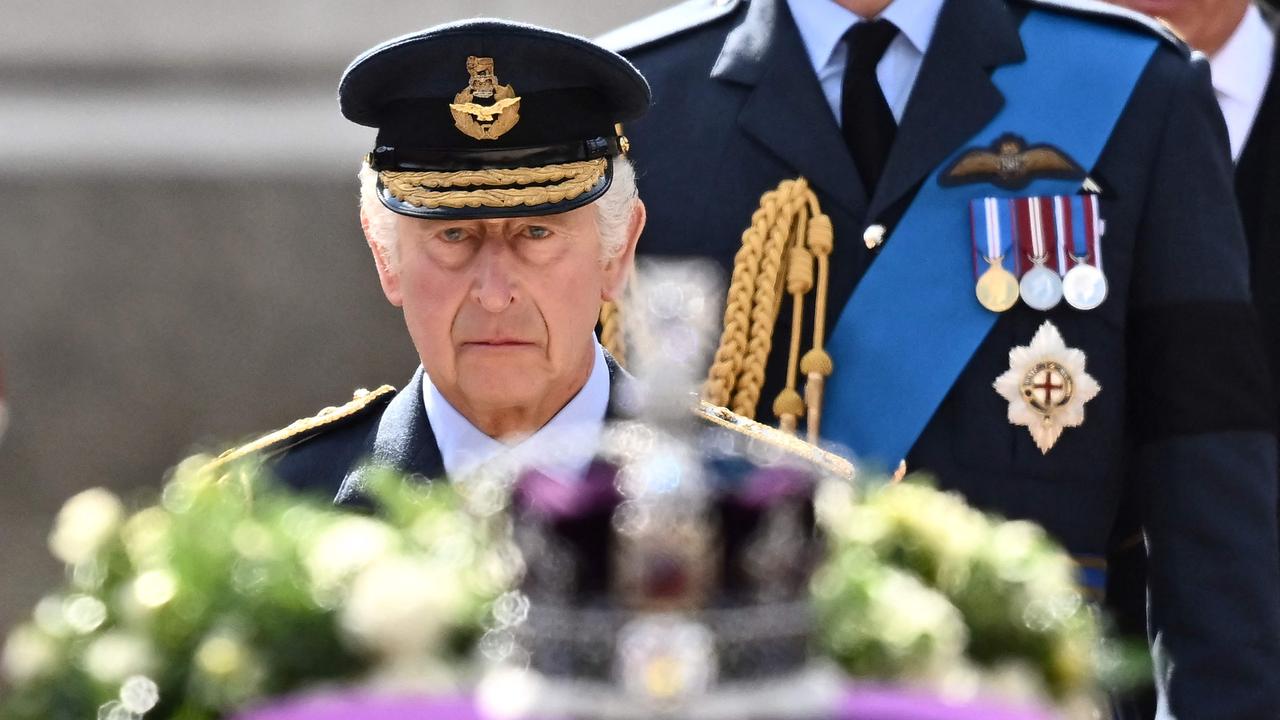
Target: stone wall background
180,260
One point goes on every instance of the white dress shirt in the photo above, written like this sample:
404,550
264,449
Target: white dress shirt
572,436
1241,71
823,23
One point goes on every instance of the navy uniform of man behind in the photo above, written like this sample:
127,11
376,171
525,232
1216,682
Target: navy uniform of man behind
1037,289
500,213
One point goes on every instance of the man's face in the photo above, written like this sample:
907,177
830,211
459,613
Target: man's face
501,311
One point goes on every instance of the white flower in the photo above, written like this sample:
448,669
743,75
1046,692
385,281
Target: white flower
1016,682
84,613
117,655
84,524
228,670
28,654
50,616
348,546
916,624
154,588
139,694
507,693
402,606
145,536
115,710
222,655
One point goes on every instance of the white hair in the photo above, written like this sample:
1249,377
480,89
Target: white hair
613,211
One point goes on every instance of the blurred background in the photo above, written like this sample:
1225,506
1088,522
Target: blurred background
181,264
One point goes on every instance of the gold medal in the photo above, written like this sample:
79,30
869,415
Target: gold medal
997,288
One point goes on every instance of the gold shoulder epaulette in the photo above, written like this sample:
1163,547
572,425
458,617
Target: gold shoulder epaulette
788,443
359,401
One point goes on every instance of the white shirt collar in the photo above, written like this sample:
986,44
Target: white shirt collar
1241,72
1237,70
574,432
823,23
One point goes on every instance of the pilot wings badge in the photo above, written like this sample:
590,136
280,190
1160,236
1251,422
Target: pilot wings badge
1046,386
493,119
1010,164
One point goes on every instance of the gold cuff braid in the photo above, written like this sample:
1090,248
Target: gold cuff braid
501,188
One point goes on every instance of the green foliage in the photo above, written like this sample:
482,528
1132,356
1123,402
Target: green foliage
918,584
229,590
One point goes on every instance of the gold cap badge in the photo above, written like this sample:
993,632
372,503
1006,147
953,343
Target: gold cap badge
499,113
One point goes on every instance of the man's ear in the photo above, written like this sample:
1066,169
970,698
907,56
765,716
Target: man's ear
387,272
617,270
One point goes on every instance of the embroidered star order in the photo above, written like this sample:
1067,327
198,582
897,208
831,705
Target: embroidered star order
1046,386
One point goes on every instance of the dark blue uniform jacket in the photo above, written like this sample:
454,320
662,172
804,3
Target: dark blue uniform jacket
1177,448
389,430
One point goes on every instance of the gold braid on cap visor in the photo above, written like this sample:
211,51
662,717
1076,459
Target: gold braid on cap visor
499,188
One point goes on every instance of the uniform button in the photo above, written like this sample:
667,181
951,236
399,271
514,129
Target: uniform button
873,236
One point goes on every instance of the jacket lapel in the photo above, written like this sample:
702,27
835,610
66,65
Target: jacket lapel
622,389
786,110
402,440
953,97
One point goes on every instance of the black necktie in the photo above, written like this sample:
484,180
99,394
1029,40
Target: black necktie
866,120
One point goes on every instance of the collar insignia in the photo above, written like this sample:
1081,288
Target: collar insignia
1011,164
500,112
1046,386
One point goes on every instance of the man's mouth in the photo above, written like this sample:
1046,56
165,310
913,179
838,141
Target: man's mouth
498,342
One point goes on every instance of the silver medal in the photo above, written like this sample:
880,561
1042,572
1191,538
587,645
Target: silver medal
1084,287
1041,288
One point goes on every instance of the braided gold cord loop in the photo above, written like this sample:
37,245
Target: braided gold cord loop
789,406
817,364
799,271
765,305
785,251
611,336
821,235
817,361
723,375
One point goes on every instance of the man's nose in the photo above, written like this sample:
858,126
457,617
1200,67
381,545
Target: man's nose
495,285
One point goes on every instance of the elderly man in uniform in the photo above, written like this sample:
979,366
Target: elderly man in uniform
1037,287
501,213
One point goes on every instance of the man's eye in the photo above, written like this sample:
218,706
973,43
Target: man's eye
537,232
453,235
